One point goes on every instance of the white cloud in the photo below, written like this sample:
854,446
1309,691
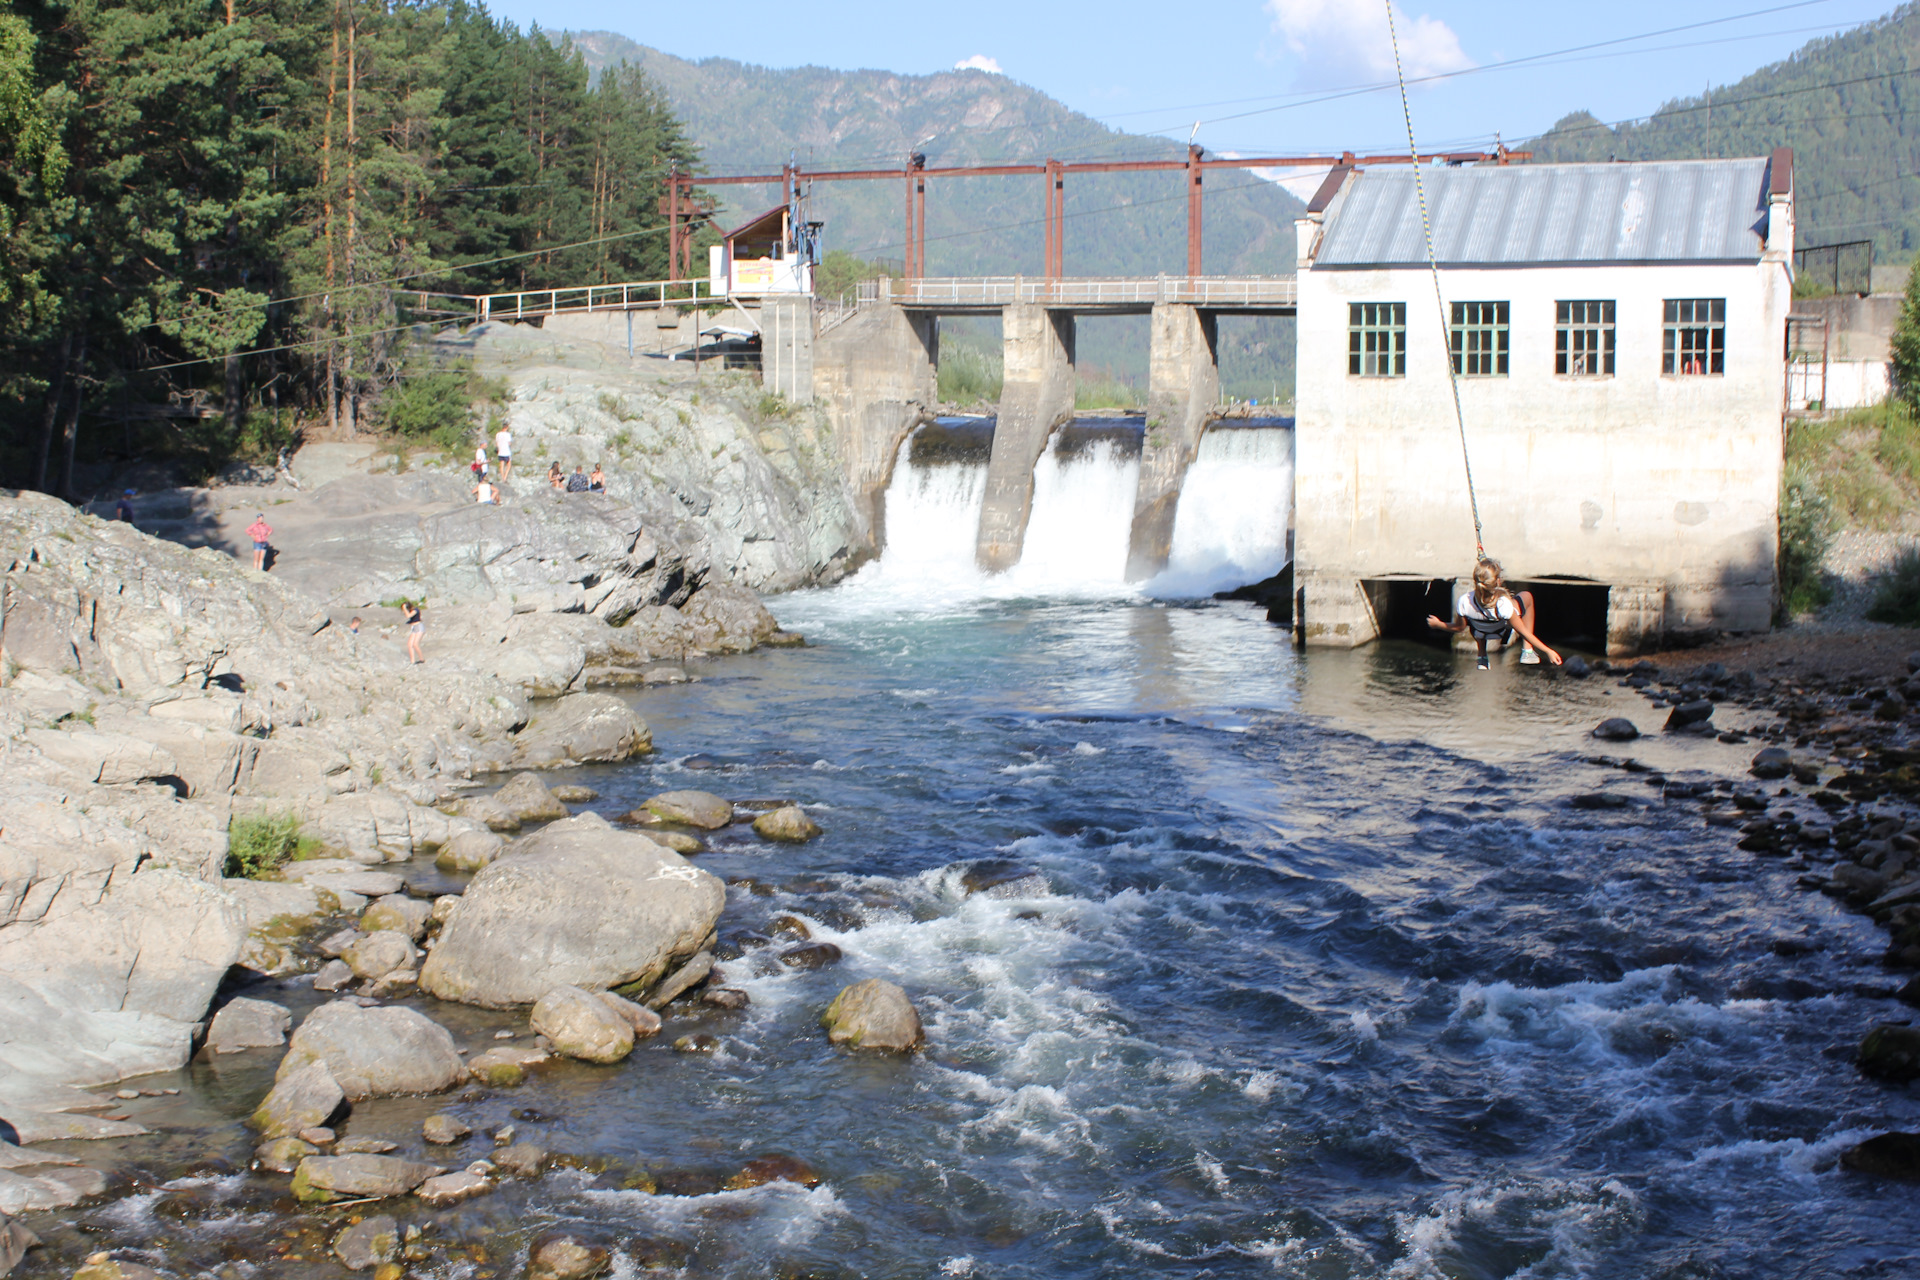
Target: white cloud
1341,42
979,62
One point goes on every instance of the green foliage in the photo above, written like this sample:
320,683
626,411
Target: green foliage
1904,349
1864,463
1806,531
1100,389
1855,143
260,844
615,407
1897,599
967,375
839,274
434,404
771,406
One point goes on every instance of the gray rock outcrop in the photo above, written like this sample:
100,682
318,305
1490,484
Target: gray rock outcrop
245,1024
578,904
323,1178
375,1052
305,1097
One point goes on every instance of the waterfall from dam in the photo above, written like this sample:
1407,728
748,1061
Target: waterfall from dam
1233,525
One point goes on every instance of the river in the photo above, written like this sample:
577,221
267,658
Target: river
1328,978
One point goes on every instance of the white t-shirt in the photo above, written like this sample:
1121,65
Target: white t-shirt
1488,622
483,492
503,443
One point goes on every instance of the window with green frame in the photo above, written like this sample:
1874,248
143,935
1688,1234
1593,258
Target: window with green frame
1377,339
1478,339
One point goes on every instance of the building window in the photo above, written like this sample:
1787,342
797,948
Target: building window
1479,339
1377,339
1583,339
1696,336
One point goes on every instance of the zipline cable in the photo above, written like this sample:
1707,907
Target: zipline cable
1446,328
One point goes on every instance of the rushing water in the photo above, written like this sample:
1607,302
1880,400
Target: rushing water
1328,980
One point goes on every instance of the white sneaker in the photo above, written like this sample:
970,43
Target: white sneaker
1528,658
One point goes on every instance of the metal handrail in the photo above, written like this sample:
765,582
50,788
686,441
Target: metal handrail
629,296
1092,290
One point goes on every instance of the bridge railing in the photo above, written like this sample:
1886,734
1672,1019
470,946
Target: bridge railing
1093,291
629,296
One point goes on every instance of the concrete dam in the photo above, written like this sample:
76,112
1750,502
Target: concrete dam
1231,523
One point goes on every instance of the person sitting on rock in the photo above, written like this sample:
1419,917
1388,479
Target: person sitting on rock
578,482
485,494
556,478
597,482
1491,612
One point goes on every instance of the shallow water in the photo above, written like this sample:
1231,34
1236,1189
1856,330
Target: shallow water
1330,983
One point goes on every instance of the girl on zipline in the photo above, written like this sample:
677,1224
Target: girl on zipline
1491,612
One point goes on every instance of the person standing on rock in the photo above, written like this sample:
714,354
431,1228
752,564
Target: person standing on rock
260,531
416,627
1491,612
480,463
124,511
503,445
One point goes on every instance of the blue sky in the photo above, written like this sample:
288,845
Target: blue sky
1159,67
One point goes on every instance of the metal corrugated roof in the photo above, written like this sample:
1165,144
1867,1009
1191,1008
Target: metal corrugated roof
1661,211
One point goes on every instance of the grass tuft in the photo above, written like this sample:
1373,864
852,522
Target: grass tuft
261,844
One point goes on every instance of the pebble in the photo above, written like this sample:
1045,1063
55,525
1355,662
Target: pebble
696,1044
1616,729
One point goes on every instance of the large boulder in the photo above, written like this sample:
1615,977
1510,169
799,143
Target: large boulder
248,1024
789,824
700,809
358,1176
303,1098
581,1025
378,954
469,851
728,619
1891,1052
873,1014
526,797
581,728
578,904
375,1052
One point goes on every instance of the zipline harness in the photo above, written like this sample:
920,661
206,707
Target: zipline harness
1446,328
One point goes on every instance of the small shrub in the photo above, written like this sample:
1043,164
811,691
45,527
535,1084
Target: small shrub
1898,598
615,407
770,406
968,375
261,844
1806,531
621,440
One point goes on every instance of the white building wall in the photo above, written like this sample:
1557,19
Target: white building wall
1664,487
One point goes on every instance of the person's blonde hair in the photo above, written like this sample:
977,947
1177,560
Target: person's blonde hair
1488,585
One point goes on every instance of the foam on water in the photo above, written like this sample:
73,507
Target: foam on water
1234,523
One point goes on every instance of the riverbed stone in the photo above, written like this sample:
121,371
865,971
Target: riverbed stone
244,1024
789,824
761,1170
581,1025
104,1266
283,1155
377,1052
1689,715
573,793
397,913
678,841
700,809
811,955
526,797
469,851
452,1188
1001,878
1616,729
1891,1052
364,1146
725,998
1890,1155
644,1021
305,1096
15,1240
334,975
504,1066
873,1014
562,1255
368,1243
522,1159
687,976
379,954
443,1130
578,904
323,1178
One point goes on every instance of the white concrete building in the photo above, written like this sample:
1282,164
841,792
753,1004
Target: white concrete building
1619,332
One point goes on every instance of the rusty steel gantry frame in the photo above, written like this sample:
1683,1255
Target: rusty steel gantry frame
684,213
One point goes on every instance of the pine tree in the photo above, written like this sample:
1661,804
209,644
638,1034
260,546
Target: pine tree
1904,361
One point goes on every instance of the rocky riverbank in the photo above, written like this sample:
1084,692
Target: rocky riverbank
1833,793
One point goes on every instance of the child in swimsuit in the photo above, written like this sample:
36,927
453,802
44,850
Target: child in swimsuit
1491,612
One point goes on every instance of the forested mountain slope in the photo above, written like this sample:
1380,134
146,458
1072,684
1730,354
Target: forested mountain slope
1849,106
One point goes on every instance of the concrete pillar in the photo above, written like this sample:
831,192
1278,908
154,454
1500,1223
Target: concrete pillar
875,375
1334,612
1636,617
1183,387
1036,396
786,346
